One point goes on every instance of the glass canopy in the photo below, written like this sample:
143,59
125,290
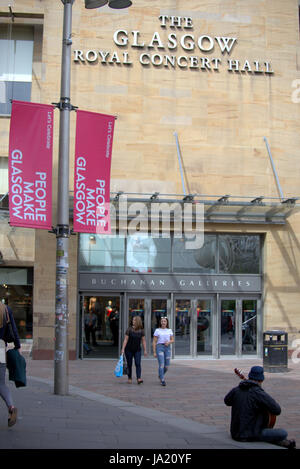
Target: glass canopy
220,209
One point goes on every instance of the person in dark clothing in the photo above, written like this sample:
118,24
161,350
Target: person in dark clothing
90,322
251,407
6,315
114,325
132,348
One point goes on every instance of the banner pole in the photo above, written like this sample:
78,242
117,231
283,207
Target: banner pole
61,385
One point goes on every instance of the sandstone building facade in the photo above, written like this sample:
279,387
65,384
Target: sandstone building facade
207,103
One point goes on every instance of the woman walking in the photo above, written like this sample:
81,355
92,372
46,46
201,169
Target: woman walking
5,316
162,339
134,336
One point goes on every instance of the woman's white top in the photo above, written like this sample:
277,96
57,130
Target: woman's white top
163,335
2,352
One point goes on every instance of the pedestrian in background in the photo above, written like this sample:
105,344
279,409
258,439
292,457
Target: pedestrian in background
90,322
6,316
163,337
134,336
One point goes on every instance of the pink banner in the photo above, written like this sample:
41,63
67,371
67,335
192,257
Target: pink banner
30,165
94,139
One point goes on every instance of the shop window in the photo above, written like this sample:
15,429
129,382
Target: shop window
102,253
201,260
16,292
139,252
239,254
147,254
16,49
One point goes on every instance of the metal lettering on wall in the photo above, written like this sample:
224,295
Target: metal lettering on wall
183,40
170,283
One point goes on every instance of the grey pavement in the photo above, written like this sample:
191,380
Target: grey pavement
105,412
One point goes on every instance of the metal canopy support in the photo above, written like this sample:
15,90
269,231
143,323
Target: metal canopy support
117,196
287,206
180,163
274,169
246,208
216,205
189,198
257,200
154,196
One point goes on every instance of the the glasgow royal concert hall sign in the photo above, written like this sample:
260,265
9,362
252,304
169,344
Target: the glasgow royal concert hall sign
178,45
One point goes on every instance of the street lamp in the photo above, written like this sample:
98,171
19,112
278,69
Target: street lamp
111,3
62,229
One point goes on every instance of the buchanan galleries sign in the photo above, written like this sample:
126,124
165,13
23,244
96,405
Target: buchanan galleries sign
183,49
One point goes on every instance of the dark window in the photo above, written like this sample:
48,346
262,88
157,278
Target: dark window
201,260
102,253
239,254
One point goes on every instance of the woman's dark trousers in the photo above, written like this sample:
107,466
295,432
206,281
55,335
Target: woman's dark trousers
137,360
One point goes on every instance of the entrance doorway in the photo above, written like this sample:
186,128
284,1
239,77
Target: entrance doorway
194,326
99,326
228,326
204,325
190,318
150,309
239,324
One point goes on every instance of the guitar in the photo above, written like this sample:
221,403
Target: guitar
271,417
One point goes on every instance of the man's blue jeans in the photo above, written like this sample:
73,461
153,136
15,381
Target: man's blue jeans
272,435
163,353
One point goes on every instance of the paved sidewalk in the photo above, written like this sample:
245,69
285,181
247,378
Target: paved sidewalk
104,412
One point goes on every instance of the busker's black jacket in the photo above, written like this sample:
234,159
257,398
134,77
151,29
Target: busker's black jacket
250,408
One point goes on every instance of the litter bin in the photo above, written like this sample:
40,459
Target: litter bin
275,356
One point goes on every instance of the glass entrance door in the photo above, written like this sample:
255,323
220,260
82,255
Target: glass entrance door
136,307
158,310
249,327
238,324
150,309
204,326
100,326
194,319
183,313
228,326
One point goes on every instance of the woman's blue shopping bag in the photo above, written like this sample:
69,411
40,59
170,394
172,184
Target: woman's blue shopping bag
119,368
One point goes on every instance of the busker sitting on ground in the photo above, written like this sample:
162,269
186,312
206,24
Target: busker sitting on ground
251,408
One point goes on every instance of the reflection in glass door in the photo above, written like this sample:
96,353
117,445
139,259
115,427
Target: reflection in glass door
228,326
100,319
204,327
249,327
150,310
136,308
182,327
158,310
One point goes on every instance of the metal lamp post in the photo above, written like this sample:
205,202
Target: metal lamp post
62,229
